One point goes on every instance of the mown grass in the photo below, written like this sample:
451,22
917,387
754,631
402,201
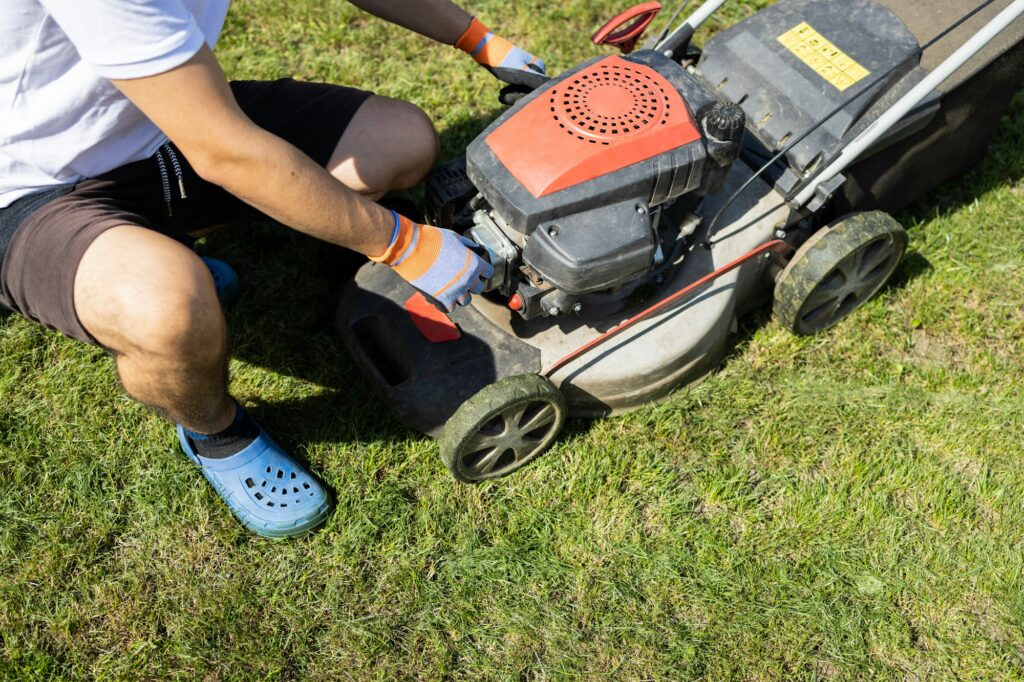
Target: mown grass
843,506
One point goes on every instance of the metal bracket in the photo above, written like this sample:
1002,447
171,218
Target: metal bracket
824,191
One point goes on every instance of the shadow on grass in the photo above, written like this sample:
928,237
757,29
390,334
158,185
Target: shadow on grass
457,136
284,323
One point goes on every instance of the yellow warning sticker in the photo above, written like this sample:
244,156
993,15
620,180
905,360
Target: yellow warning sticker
827,60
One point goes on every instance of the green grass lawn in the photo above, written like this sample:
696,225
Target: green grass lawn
841,506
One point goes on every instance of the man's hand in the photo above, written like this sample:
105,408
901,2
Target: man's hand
437,262
506,61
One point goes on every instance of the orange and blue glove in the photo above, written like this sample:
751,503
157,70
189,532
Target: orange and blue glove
437,262
507,62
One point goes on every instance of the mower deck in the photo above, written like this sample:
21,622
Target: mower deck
425,382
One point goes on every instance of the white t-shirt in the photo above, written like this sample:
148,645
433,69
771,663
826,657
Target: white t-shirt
61,120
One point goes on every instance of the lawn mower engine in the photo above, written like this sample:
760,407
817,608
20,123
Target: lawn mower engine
566,190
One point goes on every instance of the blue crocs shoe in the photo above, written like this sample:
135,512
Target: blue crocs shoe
270,493
225,280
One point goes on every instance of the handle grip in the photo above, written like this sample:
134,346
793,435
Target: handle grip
624,30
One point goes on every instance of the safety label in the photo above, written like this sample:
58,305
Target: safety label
827,60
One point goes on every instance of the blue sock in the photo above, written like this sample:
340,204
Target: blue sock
232,440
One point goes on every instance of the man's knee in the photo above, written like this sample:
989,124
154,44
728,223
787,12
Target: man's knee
163,303
183,321
421,144
389,145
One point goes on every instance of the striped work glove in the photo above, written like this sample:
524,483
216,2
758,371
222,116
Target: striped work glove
507,62
437,262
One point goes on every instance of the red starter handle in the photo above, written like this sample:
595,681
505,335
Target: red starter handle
625,29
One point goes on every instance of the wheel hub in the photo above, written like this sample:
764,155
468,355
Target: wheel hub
853,280
511,436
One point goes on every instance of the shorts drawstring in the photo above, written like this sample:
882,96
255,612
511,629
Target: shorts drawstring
165,176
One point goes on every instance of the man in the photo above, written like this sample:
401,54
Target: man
120,136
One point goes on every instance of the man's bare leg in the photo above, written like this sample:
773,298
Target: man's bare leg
389,145
152,303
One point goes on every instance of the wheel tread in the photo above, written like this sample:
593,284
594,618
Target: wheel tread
821,254
486,405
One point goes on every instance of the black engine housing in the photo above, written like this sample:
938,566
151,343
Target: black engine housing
596,234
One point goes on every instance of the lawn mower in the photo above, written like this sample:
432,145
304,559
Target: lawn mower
636,205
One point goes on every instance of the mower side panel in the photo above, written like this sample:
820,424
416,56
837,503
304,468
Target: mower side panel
683,343
421,381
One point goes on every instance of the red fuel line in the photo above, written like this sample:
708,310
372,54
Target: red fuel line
777,246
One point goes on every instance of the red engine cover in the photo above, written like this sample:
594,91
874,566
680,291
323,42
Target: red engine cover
608,116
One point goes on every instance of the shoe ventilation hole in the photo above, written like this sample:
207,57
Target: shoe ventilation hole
606,104
285,494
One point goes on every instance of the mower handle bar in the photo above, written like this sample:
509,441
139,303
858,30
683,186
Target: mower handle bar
681,37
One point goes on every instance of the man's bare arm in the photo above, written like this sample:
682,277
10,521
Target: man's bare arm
193,105
441,20
447,23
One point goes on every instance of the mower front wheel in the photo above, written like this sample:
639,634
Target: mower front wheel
837,271
502,428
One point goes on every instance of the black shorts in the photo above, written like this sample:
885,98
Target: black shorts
44,236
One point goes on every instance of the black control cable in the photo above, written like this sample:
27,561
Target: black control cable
672,20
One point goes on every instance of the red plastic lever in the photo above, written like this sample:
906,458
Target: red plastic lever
625,29
435,326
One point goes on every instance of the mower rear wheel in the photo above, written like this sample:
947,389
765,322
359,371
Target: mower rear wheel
837,271
502,428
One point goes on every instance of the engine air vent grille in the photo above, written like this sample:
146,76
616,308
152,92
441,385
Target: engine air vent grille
608,115
608,103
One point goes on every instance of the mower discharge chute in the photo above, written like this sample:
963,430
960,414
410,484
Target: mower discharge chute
636,205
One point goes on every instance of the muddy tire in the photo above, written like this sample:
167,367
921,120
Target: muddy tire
837,271
502,428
